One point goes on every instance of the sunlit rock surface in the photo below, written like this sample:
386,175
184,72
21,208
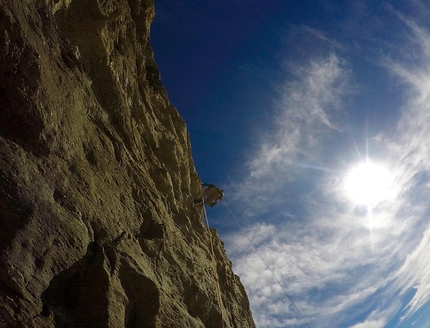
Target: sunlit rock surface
97,183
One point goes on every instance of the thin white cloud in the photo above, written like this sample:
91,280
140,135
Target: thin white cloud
415,273
306,262
320,35
304,113
415,128
331,263
371,324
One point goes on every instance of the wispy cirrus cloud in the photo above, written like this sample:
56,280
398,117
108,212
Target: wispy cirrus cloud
414,129
342,266
303,113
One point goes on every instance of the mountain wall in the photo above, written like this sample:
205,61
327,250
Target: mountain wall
97,183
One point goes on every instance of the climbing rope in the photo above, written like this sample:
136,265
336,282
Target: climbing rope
215,267
273,274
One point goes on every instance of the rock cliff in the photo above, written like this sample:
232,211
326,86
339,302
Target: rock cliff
97,183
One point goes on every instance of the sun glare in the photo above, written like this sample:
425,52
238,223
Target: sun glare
367,183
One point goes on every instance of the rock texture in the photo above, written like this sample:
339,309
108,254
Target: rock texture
97,183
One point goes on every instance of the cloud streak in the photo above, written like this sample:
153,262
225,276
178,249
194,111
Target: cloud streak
337,261
304,113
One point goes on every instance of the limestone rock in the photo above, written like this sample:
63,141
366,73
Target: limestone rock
97,183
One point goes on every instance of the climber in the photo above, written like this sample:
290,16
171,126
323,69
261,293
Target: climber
211,195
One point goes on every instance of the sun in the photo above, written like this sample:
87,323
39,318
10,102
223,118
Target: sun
368,183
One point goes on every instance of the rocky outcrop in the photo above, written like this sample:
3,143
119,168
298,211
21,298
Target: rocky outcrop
97,183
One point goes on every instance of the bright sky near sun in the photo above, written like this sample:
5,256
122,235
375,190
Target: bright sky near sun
314,117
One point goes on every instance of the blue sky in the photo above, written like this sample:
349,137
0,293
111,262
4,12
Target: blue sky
285,102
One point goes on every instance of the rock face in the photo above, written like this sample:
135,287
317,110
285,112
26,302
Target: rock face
97,183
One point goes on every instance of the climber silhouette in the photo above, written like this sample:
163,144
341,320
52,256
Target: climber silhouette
211,195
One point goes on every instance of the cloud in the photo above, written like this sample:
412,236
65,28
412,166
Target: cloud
415,273
341,265
370,324
311,264
321,36
307,110
414,129
304,113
